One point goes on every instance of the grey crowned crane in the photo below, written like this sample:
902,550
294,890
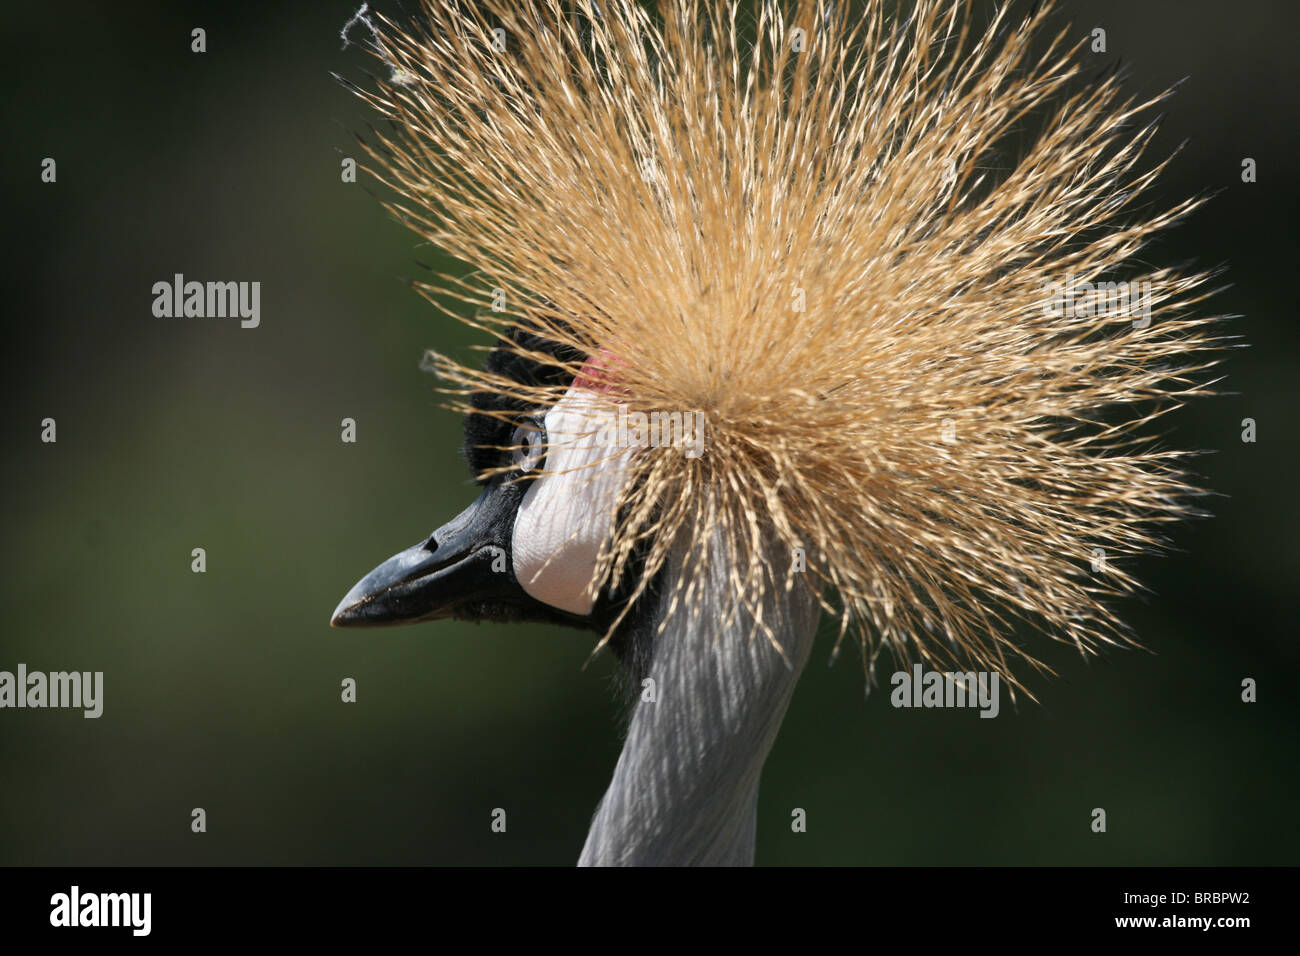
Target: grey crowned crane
800,229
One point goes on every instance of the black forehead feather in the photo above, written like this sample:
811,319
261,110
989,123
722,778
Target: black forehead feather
484,434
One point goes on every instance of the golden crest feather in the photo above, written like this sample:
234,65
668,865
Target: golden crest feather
851,239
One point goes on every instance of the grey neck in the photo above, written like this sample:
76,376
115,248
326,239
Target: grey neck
685,791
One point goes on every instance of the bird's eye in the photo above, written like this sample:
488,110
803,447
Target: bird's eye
527,446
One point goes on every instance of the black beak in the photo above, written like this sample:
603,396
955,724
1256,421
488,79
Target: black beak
463,570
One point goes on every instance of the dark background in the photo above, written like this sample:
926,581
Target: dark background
222,689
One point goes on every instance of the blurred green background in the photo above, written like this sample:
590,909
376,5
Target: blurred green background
222,689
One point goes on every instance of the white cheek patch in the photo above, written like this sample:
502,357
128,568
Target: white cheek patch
567,514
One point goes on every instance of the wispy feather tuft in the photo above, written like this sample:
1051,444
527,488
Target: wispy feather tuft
837,232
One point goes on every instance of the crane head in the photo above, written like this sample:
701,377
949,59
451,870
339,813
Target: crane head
527,548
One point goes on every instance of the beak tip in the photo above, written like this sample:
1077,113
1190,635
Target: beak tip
345,614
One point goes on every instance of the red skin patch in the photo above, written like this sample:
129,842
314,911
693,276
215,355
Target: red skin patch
600,373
